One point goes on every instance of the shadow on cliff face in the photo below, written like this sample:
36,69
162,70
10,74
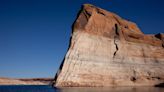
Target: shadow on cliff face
160,85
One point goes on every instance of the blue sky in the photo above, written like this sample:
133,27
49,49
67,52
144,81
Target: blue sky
34,34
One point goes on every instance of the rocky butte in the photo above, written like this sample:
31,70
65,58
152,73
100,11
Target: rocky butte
106,50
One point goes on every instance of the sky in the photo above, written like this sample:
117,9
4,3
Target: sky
34,34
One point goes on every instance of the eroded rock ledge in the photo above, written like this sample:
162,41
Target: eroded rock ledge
106,50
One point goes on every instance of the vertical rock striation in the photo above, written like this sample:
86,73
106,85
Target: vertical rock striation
106,50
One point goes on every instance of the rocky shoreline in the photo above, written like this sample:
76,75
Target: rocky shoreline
25,81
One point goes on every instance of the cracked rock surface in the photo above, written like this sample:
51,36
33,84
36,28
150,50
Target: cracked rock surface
106,50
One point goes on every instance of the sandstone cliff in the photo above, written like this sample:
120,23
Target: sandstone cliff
106,50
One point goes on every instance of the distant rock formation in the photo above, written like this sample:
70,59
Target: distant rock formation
30,81
106,50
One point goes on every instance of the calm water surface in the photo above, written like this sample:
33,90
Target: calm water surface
45,88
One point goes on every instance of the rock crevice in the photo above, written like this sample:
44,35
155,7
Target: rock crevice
115,43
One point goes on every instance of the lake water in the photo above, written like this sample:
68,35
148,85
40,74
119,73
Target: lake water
45,88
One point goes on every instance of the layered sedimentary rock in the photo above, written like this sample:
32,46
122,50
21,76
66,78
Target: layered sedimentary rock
106,50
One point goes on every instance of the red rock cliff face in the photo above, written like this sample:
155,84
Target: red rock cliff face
106,50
